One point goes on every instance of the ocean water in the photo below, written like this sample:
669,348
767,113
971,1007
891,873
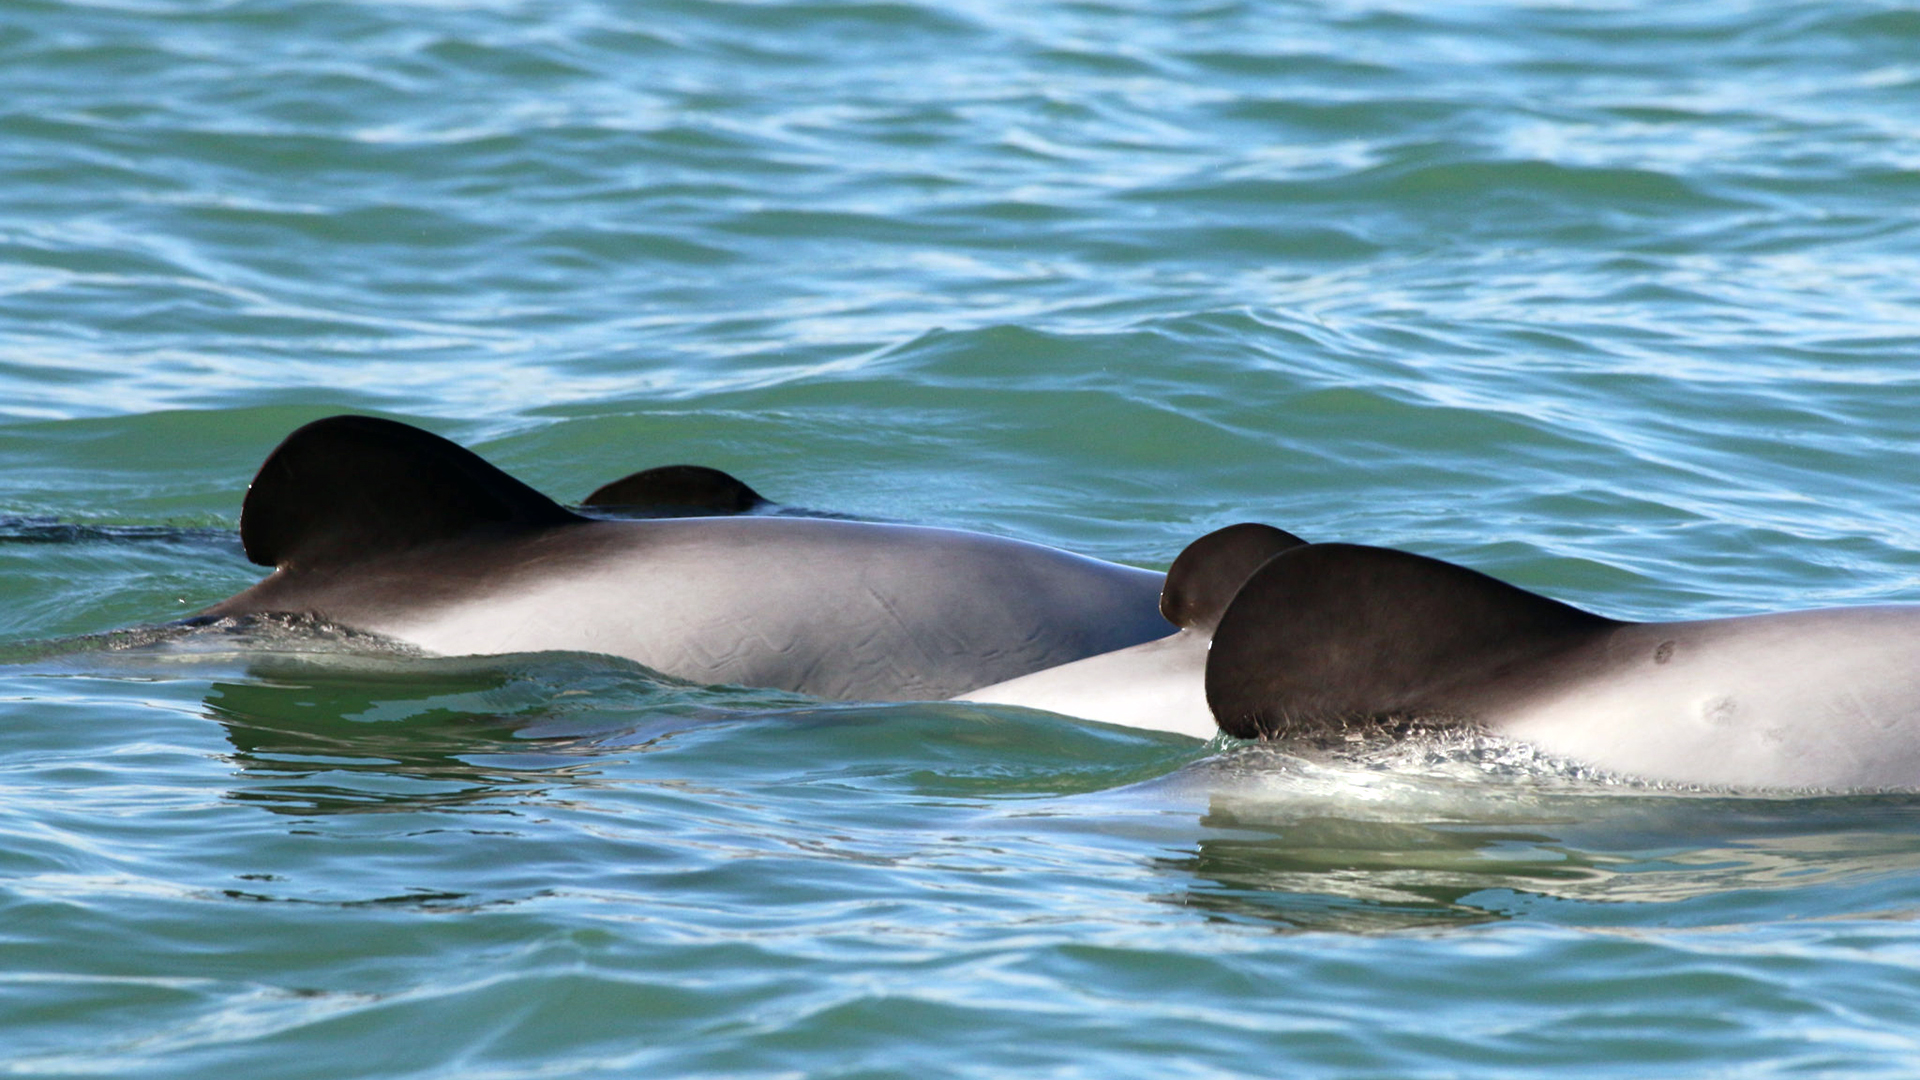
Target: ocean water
1617,300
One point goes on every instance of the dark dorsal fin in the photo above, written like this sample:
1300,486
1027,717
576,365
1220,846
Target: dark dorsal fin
677,489
347,488
1328,635
1204,578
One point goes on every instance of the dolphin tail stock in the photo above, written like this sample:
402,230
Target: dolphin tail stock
1326,636
340,490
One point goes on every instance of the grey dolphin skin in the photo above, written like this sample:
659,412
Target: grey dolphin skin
383,527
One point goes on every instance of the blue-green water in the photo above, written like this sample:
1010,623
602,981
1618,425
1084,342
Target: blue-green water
1619,301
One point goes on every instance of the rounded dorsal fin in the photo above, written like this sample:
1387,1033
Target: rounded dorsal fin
1329,635
677,489
1204,578
349,488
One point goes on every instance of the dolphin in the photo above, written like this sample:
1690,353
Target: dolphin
1285,640
1333,638
381,527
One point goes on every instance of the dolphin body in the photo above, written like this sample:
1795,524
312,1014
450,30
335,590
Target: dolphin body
381,527
1327,636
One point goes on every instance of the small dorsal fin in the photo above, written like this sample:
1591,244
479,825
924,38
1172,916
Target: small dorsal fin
670,490
347,488
1328,635
1205,576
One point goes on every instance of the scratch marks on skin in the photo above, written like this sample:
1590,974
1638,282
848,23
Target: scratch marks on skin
727,647
933,646
1720,711
1851,707
874,649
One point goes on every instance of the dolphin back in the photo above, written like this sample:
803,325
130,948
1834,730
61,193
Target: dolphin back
1329,637
348,488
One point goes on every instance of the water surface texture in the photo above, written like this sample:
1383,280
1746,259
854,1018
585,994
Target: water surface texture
1620,301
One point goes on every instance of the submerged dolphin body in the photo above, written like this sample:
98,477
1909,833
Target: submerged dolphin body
382,527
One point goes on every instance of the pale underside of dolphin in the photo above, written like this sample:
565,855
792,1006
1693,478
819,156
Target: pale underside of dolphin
381,527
